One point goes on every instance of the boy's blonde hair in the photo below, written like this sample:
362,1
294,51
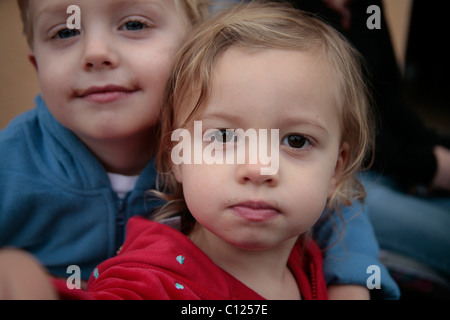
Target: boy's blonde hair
195,11
264,26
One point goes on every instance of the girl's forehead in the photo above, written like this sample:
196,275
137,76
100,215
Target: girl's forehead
233,64
274,67
246,78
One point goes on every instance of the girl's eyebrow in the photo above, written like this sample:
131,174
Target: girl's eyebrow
294,120
284,121
221,116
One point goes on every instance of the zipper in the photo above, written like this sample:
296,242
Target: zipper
313,281
121,222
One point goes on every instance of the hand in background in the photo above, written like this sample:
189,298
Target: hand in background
442,178
341,7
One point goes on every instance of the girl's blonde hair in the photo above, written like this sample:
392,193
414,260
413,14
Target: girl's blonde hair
264,25
195,11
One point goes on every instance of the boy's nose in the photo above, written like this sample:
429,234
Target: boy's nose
99,54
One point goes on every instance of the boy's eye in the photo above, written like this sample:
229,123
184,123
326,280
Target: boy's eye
133,25
296,141
224,136
67,33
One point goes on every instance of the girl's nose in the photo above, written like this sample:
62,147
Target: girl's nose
251,173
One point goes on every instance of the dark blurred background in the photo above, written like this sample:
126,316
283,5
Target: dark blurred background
427,64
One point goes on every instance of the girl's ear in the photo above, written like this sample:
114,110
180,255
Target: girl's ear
176,169
32,59
341,164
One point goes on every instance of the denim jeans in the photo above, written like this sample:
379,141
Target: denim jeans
413,226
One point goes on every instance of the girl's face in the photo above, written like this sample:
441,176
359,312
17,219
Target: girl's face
289,92
105,81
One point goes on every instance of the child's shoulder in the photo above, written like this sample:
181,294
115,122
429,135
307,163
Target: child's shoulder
15,139
149,243
16,127
143,233
27,123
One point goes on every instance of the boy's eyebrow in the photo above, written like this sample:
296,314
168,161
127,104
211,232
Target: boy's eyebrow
127,3
59,8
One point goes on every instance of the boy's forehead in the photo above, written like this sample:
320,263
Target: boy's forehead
38,7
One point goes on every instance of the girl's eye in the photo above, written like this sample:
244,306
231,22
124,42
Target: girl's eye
67,33
133,25
296,141
224,136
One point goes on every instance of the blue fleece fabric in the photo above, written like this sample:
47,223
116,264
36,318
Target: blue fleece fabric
351,250
56,200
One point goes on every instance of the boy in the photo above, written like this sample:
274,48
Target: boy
76,167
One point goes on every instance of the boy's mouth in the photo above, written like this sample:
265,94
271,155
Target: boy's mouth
104,94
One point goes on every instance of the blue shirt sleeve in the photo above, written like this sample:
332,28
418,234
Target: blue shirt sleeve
351,252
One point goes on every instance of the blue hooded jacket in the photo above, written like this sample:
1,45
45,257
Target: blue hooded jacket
56,200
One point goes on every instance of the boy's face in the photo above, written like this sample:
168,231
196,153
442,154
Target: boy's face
105,82
293,92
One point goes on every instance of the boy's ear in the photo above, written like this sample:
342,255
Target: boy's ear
176,169
32,59
341,164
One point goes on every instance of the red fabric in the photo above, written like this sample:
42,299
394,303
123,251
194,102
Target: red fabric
158,263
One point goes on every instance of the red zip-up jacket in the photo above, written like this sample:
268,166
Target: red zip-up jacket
158,262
